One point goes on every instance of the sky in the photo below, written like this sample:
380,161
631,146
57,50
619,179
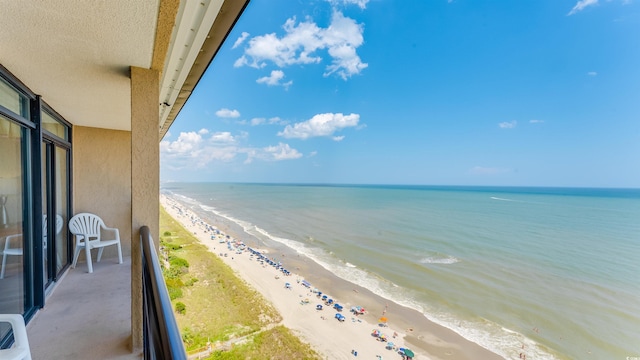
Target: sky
420,92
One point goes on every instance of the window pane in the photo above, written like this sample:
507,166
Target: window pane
62,186
13,99
11,239
52,125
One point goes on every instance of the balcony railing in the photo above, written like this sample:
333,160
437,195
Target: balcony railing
161,335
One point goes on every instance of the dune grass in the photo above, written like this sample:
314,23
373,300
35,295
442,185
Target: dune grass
217,306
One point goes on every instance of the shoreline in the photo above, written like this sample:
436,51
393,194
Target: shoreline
329,337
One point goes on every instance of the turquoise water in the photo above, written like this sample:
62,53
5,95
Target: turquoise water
555,269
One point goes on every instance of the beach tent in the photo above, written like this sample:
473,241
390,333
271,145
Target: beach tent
305,283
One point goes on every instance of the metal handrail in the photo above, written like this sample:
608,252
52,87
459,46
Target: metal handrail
162,338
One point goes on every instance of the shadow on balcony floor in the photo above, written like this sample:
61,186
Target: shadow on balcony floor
88,316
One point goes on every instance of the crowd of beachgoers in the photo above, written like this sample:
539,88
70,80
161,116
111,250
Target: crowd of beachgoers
317,317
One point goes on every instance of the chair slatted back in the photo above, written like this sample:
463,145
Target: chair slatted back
86,224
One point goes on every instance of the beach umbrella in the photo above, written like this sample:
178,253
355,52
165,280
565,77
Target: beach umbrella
409,353
383,319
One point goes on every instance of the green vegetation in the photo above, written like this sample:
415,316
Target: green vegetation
276,343
222,307
181,308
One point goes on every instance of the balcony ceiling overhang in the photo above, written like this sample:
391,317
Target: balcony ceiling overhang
77,54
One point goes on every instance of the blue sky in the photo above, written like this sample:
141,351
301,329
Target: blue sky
437,92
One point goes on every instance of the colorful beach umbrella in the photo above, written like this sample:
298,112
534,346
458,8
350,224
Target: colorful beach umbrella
383,319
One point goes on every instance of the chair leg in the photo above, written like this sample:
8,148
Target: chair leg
119,254
87,251
4,263
75,256
100,254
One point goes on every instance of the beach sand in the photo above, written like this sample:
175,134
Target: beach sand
331,338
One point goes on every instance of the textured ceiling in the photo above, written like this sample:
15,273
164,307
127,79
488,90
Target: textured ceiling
61,49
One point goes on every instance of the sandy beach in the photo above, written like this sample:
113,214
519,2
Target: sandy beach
297,303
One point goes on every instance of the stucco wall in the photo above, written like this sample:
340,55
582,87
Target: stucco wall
102,180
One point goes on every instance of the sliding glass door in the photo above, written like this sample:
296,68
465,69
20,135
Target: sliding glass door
55,196
13,241
35,199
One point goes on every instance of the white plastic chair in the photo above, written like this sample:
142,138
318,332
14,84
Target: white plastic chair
87,228
20,349
10,251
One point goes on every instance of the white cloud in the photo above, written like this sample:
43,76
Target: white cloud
320,125
241,61
482,170
226,113
258,121
536,121
581,5
508,124
312,154
282,152
187,141
302,42
592,73
362,4
344,36
241,39
263,121
223,137
278,152
338,138
274,79
277,121
193,151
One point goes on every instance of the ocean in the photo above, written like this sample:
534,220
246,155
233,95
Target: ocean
555,269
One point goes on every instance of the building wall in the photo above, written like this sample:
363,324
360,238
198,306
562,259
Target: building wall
102,180
145,181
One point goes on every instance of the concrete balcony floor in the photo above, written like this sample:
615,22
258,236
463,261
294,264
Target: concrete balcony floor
87,316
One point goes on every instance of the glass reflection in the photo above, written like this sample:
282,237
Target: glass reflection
11,239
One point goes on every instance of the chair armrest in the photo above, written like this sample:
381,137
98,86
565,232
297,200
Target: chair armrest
115,230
